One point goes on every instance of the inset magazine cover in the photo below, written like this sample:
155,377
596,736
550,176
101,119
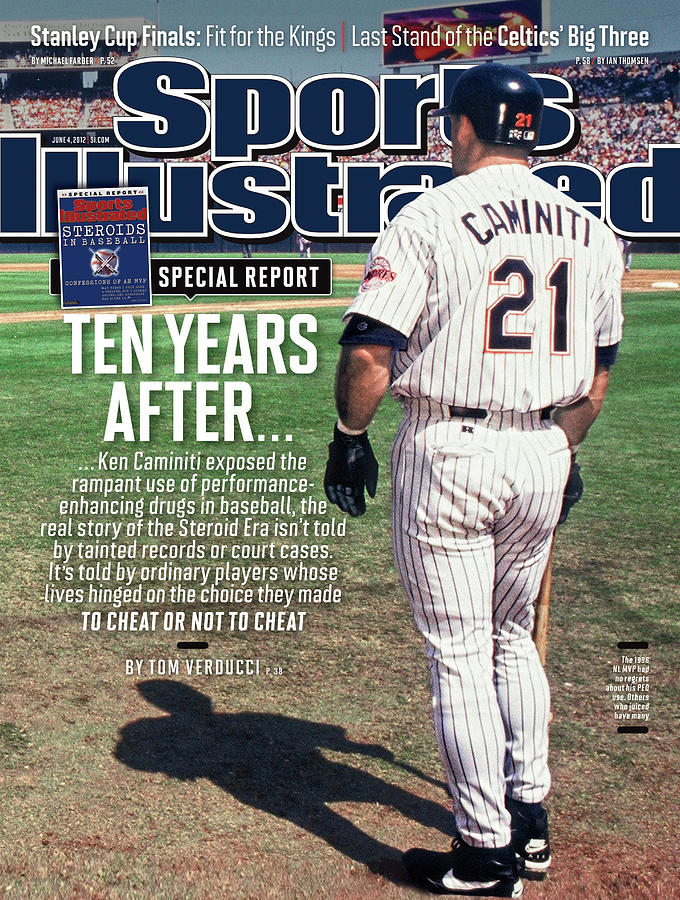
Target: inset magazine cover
104,247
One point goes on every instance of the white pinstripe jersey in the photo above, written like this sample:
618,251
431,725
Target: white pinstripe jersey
503,285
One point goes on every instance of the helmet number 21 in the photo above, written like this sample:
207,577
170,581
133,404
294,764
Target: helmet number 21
515,274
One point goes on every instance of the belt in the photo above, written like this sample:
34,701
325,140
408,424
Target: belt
467,412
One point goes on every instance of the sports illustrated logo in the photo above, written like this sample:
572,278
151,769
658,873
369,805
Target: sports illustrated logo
380,273
104,263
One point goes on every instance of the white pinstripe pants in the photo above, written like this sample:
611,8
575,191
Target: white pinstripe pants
474,509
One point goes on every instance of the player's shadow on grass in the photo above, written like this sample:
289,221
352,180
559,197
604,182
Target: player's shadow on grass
274,763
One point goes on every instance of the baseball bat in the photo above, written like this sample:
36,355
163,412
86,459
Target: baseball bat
542,610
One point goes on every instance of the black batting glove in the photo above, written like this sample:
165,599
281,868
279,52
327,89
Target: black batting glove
351,467
572,491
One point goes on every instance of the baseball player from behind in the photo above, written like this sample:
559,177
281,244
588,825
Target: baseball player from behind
491,307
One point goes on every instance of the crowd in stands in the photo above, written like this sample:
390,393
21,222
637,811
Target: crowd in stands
36,111
55,109
622,110
619,133
101,112
652,83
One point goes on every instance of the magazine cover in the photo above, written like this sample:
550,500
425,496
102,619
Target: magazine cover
94,226
240,658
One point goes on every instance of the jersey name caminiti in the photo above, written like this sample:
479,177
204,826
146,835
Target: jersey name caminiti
504,288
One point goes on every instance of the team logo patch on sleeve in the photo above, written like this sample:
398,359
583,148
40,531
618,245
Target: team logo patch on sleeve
379,274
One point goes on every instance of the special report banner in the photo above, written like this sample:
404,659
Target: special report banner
213,685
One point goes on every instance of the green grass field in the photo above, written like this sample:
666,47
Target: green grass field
310,783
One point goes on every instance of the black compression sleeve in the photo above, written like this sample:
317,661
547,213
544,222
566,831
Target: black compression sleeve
606,356
362,330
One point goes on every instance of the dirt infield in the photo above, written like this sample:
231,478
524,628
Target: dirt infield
651,280
47,315
348,270
24,267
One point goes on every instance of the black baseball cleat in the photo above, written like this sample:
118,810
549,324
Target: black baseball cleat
530,837
466,871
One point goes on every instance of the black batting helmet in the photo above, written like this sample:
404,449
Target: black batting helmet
503,103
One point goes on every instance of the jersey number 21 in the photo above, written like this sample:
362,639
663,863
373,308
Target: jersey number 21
499,337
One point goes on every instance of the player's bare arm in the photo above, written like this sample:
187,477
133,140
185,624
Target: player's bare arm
361,380
575,420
